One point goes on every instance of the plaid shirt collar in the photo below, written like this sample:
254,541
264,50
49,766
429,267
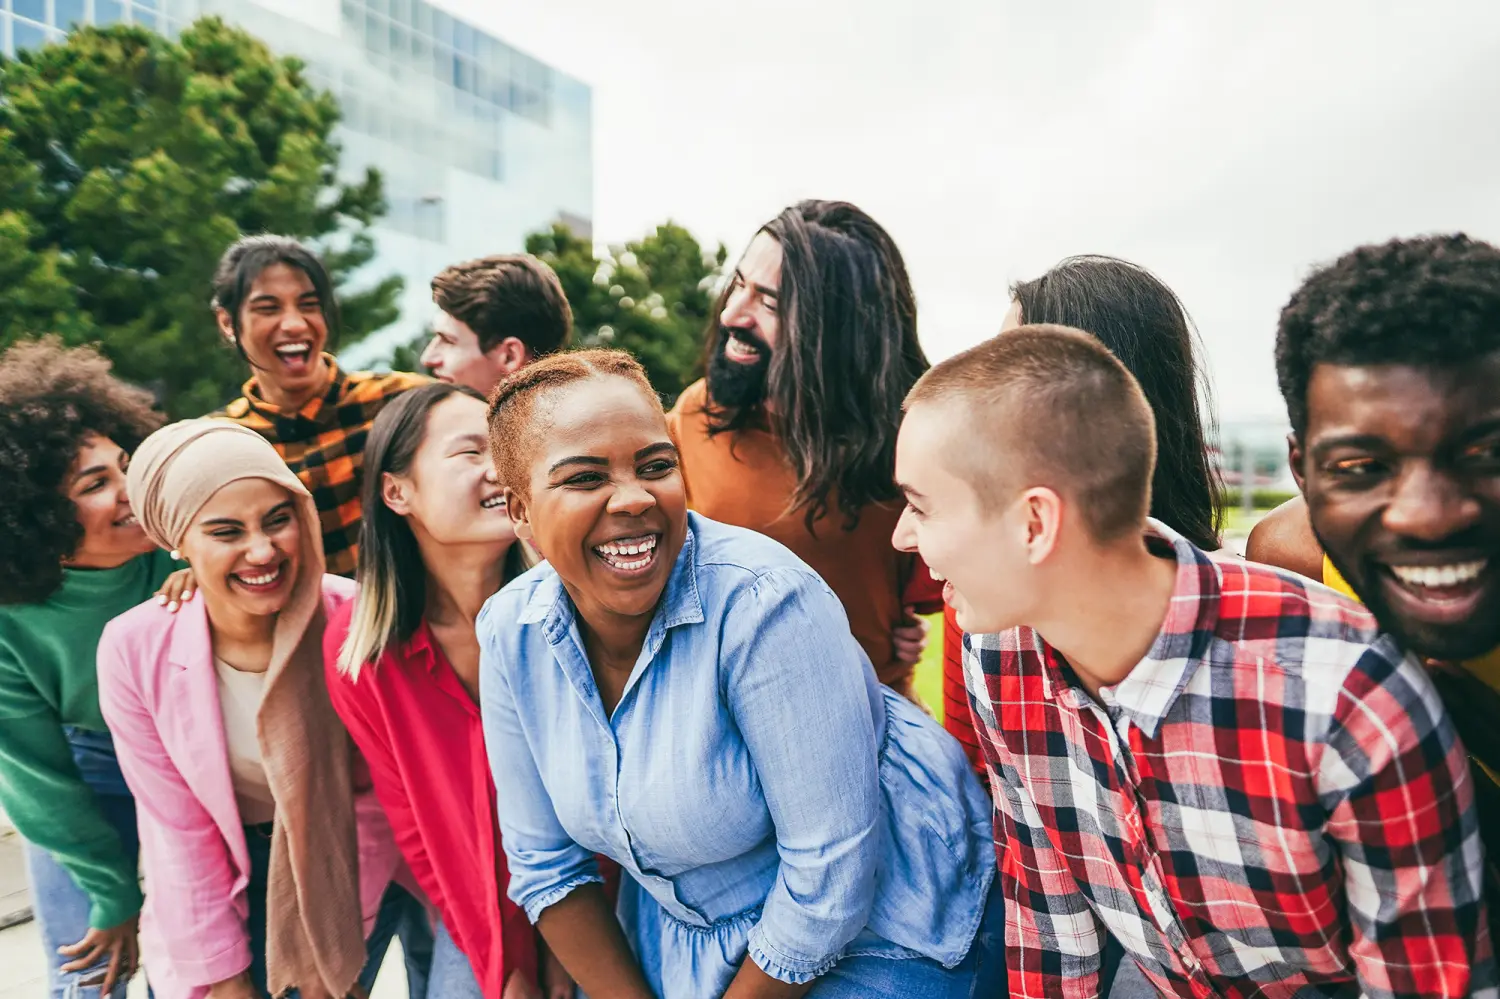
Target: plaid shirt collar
319,414
1147,693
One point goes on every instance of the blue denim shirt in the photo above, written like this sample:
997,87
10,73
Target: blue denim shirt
762,792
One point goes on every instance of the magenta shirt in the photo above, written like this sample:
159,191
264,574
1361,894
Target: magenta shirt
419,730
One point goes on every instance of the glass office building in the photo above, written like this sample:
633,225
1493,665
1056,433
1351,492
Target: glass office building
479,143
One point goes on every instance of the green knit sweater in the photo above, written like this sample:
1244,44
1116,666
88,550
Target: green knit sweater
48,680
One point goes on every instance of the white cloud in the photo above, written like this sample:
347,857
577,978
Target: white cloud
1227,148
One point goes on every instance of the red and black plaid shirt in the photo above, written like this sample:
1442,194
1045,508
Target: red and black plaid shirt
1273,803
324,443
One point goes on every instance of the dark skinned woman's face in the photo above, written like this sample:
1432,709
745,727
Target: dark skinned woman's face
605,498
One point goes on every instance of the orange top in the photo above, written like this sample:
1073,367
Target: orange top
743,478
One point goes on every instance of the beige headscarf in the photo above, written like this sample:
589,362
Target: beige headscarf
314,929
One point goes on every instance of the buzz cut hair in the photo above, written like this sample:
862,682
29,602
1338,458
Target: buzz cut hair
1052,406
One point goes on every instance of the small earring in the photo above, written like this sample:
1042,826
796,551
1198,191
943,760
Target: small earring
175,555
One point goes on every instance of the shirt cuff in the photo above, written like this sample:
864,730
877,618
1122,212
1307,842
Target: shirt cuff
538,904
107,913
792,970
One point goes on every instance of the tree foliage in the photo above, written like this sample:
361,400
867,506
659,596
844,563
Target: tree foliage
129,162
651,296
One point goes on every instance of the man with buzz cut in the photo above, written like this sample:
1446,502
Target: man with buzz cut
1225,767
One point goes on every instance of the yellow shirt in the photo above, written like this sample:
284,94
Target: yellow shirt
1486,668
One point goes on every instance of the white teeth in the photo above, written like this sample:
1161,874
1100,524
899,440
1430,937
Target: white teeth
261,580
614,550
628,546
126,521
936,575
1439,576
492,502
293,349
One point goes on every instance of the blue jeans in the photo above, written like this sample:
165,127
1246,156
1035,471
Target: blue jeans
401,915
60,906
980,975
452,975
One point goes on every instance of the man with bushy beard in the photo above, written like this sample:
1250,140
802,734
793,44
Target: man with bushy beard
793,431
1389,361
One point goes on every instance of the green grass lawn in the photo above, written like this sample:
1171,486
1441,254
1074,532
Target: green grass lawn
929,681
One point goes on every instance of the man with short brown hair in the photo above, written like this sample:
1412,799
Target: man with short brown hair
1224,767
496,314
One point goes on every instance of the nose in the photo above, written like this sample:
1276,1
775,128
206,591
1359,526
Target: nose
429,354
1429,505
261,550
293,321
490,475
737,313
905,537
631,499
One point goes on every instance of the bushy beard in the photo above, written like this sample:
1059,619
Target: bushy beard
735,385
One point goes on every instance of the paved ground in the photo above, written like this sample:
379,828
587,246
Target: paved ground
23,971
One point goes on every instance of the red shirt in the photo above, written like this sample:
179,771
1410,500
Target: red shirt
419,730
957,718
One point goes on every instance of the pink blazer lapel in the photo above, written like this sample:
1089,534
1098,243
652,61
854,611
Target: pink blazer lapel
192,725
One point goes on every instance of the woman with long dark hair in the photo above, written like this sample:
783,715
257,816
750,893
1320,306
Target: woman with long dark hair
1144,324
685,698
403,672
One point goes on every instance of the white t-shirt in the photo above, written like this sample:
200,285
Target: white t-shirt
240,694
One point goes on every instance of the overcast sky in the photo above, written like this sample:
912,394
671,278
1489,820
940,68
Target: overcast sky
1227,151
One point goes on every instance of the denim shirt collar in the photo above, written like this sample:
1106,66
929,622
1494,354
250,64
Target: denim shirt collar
552,608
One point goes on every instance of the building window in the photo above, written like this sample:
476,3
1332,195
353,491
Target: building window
108,11
69,13
26,35
35,10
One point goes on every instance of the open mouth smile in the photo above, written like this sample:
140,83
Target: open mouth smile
629,555
741,350
493,502
1443,593
296,356
261,581
126,521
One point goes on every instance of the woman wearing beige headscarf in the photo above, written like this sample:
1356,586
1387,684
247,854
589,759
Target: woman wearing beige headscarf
263,866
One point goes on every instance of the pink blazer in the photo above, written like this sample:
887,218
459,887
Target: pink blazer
160,695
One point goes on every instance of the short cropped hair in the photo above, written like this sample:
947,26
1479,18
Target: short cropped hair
1432,302
1070,415
515,427
52,398
507,295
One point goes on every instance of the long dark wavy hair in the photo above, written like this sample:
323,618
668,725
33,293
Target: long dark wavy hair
1144,323
846,356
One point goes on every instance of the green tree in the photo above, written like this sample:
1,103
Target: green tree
651,296
128,162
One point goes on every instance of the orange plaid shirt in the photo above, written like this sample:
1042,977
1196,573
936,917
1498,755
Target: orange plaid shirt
324,443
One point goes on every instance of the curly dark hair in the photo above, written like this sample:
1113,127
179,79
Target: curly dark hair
52,397
1427,302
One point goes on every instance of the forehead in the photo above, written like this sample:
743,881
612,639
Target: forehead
598,416
457,414
281,279
452,327
1412,407
243,499
761,263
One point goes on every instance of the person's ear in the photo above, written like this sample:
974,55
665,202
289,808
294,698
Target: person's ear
1294,456
1041,522
395,493
510,355
226,324
520,517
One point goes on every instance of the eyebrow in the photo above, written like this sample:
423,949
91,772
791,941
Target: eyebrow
763,289
480,440
660,447
1366,441
909,492
91,470
231,521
